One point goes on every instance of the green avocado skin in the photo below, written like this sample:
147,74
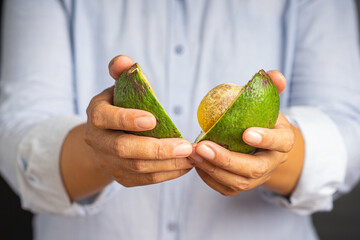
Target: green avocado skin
133,91
257,106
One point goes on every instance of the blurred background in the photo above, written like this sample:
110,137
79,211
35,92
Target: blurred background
343,222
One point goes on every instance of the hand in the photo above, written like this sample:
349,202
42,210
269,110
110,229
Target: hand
231,173
131,160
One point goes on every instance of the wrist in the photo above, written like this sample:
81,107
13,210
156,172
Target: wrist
82,176
284,179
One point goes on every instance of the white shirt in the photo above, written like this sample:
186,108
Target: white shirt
54,60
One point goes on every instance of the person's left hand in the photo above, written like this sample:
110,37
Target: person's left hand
230,172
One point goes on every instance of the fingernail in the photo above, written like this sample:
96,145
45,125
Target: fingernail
282,75
206,152
111,63
145,123
183,150
113,60
253,137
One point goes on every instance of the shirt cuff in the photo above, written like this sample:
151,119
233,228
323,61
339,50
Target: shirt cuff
324,165
40,182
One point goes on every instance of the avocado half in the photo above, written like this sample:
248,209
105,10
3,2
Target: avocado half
256,105
132,90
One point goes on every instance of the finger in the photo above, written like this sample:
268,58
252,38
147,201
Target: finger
132,180
119,64
106,116
279,80
102,114
235,182
226,191
152,166
281,138
127,146
246,165
226,178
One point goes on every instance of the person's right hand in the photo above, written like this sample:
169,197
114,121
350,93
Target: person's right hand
129,159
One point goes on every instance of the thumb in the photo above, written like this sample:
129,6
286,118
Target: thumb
279,80
119,64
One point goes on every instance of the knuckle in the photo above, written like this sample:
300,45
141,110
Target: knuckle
91,105
227,163
158,149
96,116
260,170
242,185
153,177
228,192
175,163
139,166
96,98
211,169
124,120
120,147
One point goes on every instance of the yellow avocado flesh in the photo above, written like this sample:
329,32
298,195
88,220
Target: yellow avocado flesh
215,103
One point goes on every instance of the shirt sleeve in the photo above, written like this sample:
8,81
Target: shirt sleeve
324,166
40,182
38,105
324,104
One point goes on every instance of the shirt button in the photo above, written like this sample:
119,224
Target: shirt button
178,110
179,49
172,226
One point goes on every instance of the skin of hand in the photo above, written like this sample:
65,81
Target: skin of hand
277,163
98,152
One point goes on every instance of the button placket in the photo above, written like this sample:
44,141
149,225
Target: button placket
171,190
172,226
178,65
178,110
179,49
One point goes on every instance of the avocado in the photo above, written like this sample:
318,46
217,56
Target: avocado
257,104
132,90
